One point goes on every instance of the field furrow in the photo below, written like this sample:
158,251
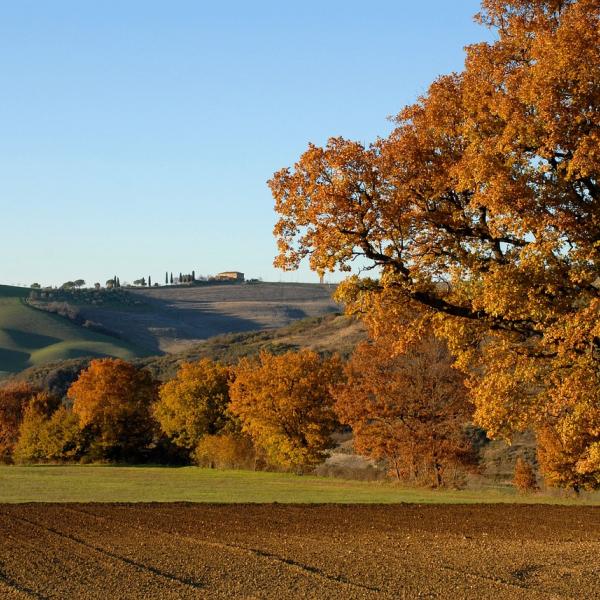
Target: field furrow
282,551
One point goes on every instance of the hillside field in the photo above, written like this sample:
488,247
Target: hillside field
172,319
152,322
327,334
30,337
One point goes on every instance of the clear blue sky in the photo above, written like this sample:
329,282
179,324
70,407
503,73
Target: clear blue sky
136,136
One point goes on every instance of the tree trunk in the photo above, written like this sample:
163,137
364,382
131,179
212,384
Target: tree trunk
438,474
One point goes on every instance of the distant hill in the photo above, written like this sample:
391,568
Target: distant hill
327,334
172,319
30,337
131,323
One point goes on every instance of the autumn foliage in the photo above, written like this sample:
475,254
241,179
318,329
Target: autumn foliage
479,219
559,455
525,480
113,399
14,399
49,437
481,212
408,409
226,451
285,405
194,403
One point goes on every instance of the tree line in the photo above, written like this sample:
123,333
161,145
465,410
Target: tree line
410,412
409,409
115,282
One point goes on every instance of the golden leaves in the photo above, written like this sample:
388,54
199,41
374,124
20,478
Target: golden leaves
285,406
481,214
194,403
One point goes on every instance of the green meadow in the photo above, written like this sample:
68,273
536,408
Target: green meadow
102,483
30,337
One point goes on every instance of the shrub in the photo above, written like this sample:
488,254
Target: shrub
525,480
14,399
225,451
45,437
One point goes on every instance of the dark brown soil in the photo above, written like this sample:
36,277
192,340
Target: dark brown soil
170,551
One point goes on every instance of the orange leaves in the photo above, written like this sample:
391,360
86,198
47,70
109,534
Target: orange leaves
14,399
285,406
334,180
408,408
482,208
489,169
525,480
113,398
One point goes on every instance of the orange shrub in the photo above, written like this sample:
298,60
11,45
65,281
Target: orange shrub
225,451
14,398
525,480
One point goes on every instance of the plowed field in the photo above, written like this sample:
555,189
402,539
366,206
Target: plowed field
164,551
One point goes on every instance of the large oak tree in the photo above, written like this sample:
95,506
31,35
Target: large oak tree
481,212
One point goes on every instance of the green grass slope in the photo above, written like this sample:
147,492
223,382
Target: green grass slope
326,334
131,323
30,337
98,483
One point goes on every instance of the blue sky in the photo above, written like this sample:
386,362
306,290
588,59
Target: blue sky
136,136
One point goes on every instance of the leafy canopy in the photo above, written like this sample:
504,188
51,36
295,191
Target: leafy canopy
112,399
481,213
194,403
284,404
409,409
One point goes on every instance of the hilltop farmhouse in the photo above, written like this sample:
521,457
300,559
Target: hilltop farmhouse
230,276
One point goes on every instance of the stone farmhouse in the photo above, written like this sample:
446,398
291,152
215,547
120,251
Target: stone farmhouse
230,276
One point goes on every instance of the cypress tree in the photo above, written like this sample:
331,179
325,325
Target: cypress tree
171,278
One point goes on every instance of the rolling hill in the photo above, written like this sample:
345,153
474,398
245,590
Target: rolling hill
326,334
146,322
171,319
30,337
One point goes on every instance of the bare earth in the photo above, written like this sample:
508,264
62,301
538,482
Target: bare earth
291,551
